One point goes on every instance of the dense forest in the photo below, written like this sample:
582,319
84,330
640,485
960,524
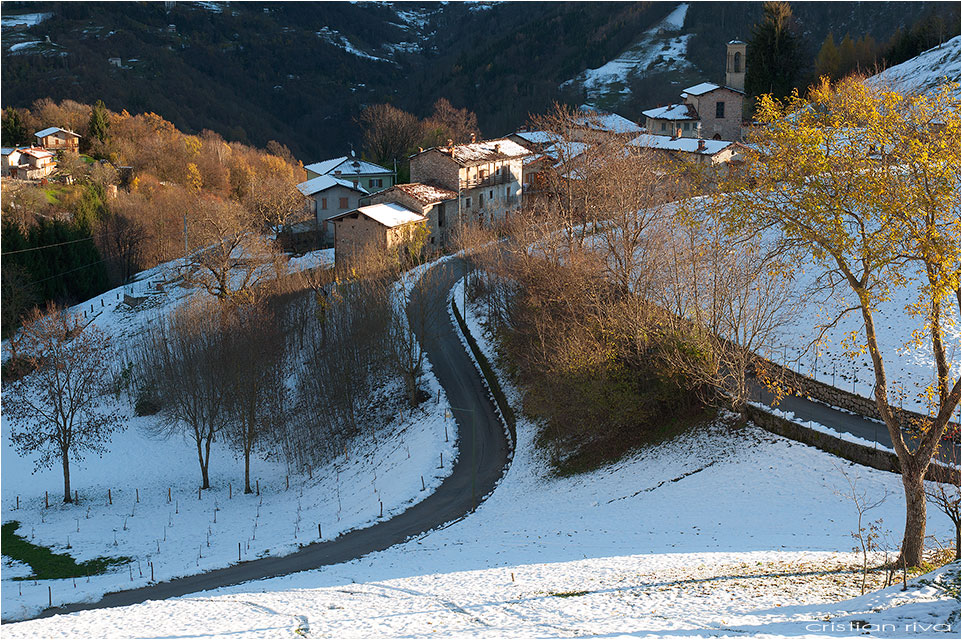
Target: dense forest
301,73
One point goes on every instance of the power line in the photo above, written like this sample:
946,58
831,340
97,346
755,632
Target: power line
46,246
57,275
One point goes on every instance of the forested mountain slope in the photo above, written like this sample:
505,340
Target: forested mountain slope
300,72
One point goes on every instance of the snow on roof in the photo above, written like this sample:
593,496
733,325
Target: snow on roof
52,130
686,145
699,89
6,151
388,214
426,193
606,121
484,151
323,183
673,112
537,137
925,72
345,164
735,42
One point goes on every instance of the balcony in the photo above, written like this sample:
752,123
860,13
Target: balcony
488,181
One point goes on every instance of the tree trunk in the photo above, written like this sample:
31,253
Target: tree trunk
247,470
205,483
66,479
914,539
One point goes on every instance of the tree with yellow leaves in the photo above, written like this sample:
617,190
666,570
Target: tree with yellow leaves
866,182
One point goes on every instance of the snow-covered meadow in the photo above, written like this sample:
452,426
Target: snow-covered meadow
190,534
718,533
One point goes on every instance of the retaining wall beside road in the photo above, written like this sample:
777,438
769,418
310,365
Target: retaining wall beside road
853,451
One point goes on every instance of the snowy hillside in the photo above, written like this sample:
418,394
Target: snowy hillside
926,71
661,48
718,532
140,500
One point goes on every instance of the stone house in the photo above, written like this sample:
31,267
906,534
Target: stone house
707,152
365,175
672,119
381,226
57,139
719,110
329,196
486,176
438,205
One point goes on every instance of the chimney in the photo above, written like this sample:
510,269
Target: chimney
473,139
701,145
676,133
337,172
420,149
497,148
451,146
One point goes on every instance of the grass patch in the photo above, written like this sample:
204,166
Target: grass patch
52,194
47,565
568,594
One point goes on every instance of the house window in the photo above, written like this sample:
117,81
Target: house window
491,194
664,126
342,203
719,109
685,126
480,199
379,182
738,62
467,203
441,215
507,192
324,204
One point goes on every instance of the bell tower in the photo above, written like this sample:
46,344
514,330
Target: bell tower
735,65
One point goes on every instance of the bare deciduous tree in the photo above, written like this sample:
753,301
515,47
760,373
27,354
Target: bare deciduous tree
58,411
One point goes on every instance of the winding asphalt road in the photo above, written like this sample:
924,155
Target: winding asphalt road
476,472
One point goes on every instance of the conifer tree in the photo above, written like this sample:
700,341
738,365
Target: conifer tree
774,53
99,122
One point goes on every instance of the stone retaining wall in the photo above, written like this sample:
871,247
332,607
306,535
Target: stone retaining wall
858,453
797,384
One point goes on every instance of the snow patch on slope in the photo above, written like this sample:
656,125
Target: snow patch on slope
659,48
332,36
926,71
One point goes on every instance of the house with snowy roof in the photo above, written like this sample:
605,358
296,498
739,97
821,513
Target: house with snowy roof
708,111
708,152
438,205
592,122
381,227
329,196
367,175
534,140
485,175
57,139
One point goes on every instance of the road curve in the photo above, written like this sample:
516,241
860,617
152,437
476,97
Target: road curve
475,473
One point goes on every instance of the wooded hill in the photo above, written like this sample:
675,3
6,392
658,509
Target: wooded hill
300,73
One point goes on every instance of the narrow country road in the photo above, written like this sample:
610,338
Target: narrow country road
476,472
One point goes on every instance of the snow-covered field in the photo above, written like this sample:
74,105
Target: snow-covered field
188,535
717,533
660,47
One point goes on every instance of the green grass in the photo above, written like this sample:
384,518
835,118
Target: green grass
53,194
47,565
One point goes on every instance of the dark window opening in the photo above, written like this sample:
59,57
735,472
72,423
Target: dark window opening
719,109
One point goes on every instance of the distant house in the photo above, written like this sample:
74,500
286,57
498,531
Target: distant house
676,120
57,139
330,196
382,226
709,152
556,157
366,175
593,122
486,176
438,205
534,140
719,110
28,163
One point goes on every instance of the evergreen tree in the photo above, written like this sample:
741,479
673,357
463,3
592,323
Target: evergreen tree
773,52
99,122
14,130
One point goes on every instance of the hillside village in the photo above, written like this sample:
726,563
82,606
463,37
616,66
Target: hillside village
400,360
